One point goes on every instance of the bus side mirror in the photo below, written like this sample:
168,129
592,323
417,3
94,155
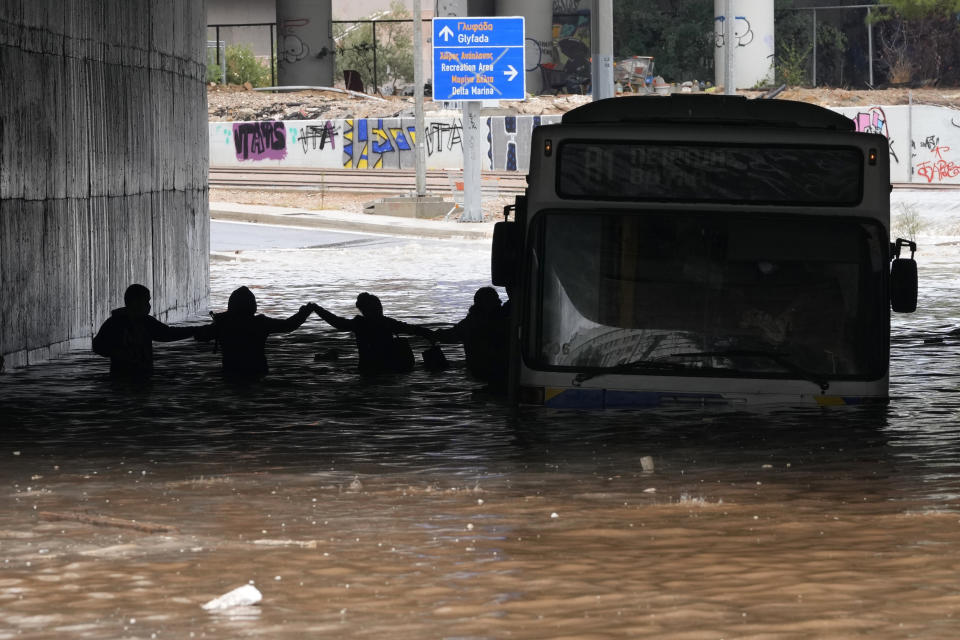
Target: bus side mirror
505,253
903,279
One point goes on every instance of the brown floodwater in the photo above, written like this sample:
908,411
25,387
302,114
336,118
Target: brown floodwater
420,507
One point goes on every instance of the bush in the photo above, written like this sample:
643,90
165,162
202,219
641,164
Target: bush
791,64
243,66
908,223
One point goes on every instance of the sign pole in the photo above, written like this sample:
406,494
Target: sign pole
472,180
418,142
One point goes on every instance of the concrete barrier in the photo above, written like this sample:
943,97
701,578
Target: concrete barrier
924,142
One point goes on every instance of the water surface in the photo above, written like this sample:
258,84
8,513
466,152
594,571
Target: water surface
420,507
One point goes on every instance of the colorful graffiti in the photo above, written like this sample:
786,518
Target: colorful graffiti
388,143
376,142
938,168
874,120
508,141
260,140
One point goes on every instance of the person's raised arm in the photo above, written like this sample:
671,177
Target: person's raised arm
276,325
412,329
456,333
335,321
164,333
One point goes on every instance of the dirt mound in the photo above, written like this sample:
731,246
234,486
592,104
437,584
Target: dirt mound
235,103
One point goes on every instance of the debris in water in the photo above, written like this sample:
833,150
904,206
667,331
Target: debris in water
106,521
239,597
356,485
646,464
269,542
554,515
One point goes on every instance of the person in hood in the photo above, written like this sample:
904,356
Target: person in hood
241,334
379,347
127,336
483,333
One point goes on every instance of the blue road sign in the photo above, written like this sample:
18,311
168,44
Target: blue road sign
478,59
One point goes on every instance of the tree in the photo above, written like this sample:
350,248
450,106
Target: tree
919,41
394,49
242,66
794,47
677,33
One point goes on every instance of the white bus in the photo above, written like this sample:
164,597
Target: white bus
705,250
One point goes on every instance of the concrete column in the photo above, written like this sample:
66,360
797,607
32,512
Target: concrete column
451,8
110,187
752,43
538,24
305,55
601,37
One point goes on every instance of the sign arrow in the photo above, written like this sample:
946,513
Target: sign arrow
511,73
446,33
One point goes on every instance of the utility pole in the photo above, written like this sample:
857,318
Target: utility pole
729,84
601,45
420,157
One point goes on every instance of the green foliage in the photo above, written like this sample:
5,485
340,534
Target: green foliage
243,66
213,69
919,9
677,33
791,65
793,41
394,55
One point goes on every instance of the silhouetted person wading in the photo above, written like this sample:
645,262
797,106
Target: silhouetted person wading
128,334
242,334
483,333
379,349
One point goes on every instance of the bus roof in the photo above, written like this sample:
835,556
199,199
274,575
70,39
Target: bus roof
708,109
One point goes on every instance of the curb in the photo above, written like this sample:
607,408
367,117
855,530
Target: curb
299,219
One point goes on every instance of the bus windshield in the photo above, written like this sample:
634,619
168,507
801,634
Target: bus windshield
688,292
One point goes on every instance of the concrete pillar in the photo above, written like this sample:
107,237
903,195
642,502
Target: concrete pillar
538,23
752,43
451,8
110,187
305,51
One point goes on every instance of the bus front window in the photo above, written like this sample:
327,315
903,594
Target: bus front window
749,296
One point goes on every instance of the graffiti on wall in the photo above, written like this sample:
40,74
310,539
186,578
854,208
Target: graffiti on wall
441,136
292,48
260,140
508,142
875,120
371,143
375,143
932,165
315,137
742,31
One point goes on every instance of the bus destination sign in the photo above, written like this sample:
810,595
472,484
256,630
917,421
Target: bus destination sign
478,59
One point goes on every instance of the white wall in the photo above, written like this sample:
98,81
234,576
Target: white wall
924,142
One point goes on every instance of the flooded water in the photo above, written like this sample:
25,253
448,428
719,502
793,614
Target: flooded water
419,507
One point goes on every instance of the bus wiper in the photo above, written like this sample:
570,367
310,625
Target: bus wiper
774,356
633,365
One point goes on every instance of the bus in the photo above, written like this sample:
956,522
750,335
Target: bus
706,250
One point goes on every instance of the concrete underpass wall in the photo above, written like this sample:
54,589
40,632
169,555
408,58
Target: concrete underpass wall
103,166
